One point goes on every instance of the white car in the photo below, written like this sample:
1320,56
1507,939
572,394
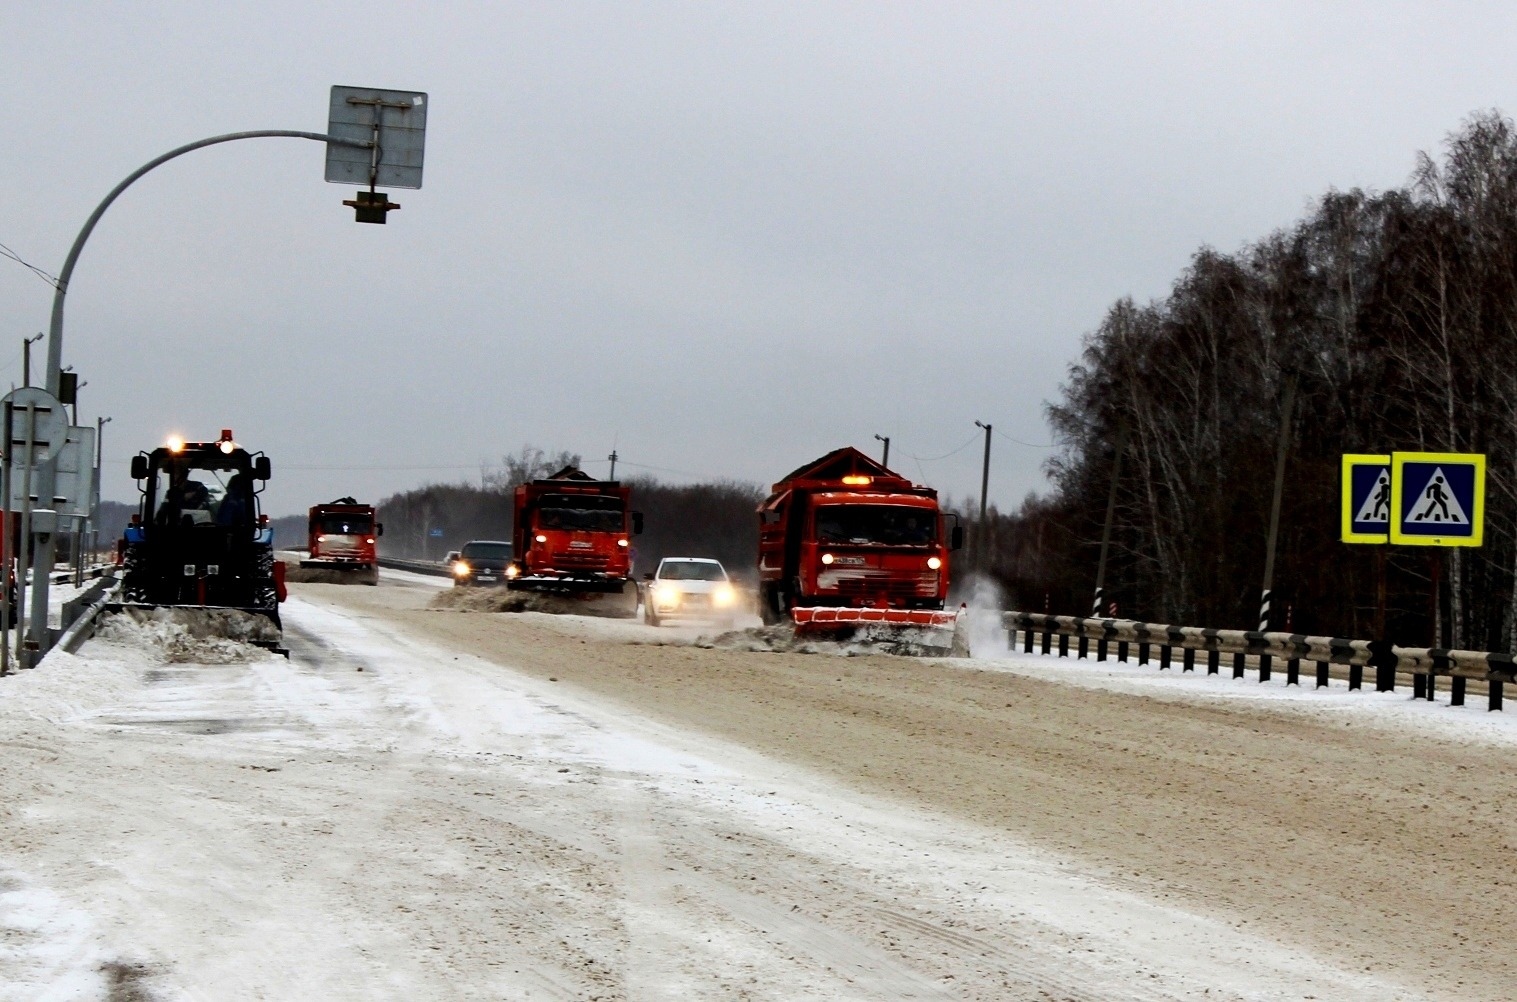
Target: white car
689,588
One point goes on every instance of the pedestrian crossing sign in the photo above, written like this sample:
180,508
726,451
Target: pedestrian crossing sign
1437,499
1366,499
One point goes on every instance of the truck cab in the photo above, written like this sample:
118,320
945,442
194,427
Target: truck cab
344,535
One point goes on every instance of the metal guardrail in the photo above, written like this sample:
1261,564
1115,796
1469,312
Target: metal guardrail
76,617
431,567
1424,665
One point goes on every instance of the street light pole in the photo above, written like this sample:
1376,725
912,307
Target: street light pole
46,542
885,461
26,358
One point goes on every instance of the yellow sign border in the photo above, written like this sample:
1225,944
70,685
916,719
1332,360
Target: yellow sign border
1477,517
1347,533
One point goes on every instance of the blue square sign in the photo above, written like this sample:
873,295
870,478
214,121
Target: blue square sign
1437,499
1366,499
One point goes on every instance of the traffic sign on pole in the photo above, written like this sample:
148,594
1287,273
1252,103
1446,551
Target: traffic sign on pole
1366,515
1437,499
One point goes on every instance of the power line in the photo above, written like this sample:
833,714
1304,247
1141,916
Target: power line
49,279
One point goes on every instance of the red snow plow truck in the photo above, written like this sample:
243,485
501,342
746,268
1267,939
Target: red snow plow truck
572,535
343,536
845,543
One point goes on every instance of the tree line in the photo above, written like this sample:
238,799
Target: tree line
1397,315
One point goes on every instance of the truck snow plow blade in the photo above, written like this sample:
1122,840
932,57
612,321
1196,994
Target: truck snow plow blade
929,632
826,618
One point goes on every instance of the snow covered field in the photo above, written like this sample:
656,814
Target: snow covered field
384,816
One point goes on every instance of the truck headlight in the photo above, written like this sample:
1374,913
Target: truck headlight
460,569
933,563
540,538
827,558
512,571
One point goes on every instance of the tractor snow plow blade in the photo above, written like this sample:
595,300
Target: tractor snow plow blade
921,632
257,627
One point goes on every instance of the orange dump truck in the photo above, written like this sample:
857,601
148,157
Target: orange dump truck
343,535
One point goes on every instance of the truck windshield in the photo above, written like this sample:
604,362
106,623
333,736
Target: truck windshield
585,513
487,551
691,570
344,525
875,524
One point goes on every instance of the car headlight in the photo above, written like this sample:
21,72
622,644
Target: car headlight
666,594
724,595
460,569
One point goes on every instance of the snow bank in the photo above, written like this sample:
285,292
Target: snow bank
195,636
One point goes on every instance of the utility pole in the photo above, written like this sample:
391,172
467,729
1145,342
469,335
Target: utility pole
885,461
1111,514
612,457
26,358
100,423
1287,404
979,550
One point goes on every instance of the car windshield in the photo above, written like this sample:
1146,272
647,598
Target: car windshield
691,570
487,551
587,513
876,524
345,525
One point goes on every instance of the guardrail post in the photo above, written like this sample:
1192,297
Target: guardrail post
1355,676
1293,672
1322,674
1047,639
1456,691
1239,660
1011,639
1213,662
1101,649
1419,685
1122,651
1189,663
1142,654
1026,641
1064,644
1494,702
1084,645
1264,663
1432,685
1164,656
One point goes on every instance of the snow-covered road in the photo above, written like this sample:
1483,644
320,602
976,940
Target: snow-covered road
383,818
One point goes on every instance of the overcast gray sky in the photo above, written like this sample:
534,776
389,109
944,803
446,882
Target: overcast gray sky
725,238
